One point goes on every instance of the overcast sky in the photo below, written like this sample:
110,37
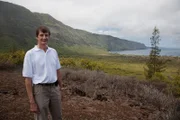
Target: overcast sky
129,19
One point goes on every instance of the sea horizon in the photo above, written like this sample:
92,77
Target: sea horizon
165,51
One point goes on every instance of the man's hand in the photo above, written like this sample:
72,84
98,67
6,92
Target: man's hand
62,93
29,89
34,108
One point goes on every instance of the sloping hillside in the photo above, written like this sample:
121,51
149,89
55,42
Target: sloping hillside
18,26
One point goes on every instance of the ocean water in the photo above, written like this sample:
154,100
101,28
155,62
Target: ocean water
164,52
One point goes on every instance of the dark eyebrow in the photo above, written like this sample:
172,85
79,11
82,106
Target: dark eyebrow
46,34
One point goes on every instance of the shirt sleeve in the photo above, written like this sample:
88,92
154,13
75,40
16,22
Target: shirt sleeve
58,65
27,66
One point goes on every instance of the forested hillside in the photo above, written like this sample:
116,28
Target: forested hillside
18,26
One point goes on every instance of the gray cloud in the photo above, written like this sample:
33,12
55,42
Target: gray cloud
130,19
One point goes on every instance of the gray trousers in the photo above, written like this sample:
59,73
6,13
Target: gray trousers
48,99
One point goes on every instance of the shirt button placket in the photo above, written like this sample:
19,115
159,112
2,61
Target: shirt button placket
46,67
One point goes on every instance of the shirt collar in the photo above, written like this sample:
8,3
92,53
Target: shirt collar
36,48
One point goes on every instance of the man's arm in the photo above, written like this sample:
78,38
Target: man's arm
59,78
33,105
28,84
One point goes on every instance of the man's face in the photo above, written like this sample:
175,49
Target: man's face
42,38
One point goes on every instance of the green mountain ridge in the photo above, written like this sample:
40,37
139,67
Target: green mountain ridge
18,26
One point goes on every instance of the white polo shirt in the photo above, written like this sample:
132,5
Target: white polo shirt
41,66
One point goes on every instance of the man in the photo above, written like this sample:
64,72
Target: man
41,70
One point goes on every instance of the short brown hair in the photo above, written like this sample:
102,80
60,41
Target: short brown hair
43,29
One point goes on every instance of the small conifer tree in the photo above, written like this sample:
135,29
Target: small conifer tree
154,63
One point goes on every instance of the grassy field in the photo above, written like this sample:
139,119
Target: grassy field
120,64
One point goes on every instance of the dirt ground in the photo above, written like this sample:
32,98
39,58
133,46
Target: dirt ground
14,104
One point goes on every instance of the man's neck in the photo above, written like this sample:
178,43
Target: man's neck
43,47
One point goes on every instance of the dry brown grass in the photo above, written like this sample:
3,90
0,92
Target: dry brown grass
92,95
103,87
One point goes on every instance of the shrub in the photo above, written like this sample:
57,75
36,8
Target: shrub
67,62
100,86
10,60
17,57
176,85
158,76
91,65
